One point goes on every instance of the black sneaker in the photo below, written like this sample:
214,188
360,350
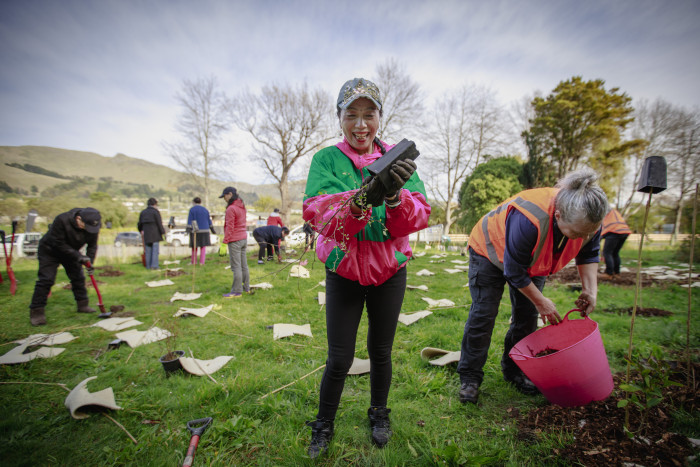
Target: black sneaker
321,434
522,384
469,392
381,426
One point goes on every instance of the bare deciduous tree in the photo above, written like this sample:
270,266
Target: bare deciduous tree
287,124
203,124
684,163
466,126
402,101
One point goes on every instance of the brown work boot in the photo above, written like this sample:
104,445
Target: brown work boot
37,316
84,308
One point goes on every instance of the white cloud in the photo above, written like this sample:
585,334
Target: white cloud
101,76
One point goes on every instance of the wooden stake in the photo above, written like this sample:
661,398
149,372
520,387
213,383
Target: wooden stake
690,276
634,307
293,382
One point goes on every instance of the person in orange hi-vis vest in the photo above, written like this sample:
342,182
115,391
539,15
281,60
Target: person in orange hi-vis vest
523,240
615,232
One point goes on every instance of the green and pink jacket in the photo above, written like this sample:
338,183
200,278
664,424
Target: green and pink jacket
371,247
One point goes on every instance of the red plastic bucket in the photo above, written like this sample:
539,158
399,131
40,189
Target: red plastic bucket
577,373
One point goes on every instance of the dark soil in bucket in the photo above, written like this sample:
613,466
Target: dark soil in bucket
171,273
640,311
545,352
598,429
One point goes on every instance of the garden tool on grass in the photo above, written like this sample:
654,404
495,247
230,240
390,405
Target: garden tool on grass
104,313
197,428
8,259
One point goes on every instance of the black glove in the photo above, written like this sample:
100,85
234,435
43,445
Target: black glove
90,271
83,259
400,171
372,193
211,228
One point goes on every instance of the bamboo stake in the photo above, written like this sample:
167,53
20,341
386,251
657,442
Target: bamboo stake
66,388
293,382
233,333
132,350
636,297
690,275
200,366
122,427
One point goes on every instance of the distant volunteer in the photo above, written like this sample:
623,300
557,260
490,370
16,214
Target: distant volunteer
60,246
199,239
268,238
615,233
236,239
151,227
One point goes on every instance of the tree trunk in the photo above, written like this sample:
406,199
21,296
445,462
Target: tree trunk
284,197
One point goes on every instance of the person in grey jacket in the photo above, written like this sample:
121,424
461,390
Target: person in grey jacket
151,227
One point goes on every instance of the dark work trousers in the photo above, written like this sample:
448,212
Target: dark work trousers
345,300
486,283
611,252
263,245
48,265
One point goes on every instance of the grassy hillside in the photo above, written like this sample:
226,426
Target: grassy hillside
119,168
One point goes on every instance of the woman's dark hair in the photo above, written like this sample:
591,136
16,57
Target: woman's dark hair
152,201
285,230
197,200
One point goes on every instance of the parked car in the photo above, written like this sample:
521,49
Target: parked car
296,236
128,239
180,237
26,244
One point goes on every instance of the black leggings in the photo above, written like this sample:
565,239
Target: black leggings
345,300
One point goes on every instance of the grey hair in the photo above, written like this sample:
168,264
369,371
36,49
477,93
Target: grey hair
580,198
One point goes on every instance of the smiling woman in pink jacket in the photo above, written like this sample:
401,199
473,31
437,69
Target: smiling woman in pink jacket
363,242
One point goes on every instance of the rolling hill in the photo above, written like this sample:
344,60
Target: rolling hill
122,168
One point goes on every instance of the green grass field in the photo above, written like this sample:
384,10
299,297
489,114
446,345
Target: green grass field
430,426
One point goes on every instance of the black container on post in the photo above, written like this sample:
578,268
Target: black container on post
653,176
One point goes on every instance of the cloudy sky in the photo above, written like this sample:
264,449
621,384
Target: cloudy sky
101,75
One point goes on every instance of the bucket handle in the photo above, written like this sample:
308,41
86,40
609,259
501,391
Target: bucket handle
514,355
566,316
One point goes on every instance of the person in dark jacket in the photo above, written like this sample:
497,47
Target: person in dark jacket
269,236
309,235
201,216
151,227
61,245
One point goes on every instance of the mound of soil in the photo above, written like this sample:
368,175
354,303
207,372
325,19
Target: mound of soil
640,311
172,273
568,275
598,429
109,271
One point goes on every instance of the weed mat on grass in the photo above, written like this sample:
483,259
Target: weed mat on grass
598,429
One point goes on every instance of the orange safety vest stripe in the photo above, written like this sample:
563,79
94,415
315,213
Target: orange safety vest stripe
614,223
488,237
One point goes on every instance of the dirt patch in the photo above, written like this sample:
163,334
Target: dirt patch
640,311
87,284
598,429
124,314
109,271
174,273
570,275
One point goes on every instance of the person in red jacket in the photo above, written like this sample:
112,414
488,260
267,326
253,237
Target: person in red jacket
615,233
235,237
275,219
